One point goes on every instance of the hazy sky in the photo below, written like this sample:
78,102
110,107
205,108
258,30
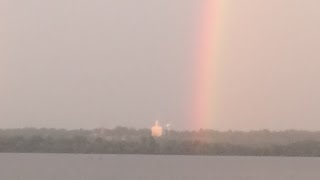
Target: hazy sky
87,64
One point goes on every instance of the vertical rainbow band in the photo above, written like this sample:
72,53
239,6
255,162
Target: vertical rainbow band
205,61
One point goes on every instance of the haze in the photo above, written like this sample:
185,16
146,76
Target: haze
87,64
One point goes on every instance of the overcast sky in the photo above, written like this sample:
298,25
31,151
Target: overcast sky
88,64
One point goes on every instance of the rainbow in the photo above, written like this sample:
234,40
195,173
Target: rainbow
205,64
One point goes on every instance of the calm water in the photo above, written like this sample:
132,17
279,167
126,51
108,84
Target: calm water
136,167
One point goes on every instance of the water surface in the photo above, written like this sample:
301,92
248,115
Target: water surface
139,167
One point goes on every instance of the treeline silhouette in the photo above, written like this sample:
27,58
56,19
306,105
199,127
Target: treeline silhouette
122,140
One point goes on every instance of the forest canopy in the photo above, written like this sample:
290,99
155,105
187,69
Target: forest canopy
122,140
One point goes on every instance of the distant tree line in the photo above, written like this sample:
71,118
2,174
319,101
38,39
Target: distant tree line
122,140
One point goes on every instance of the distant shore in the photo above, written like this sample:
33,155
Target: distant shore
122,140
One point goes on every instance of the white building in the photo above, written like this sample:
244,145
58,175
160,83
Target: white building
156,130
